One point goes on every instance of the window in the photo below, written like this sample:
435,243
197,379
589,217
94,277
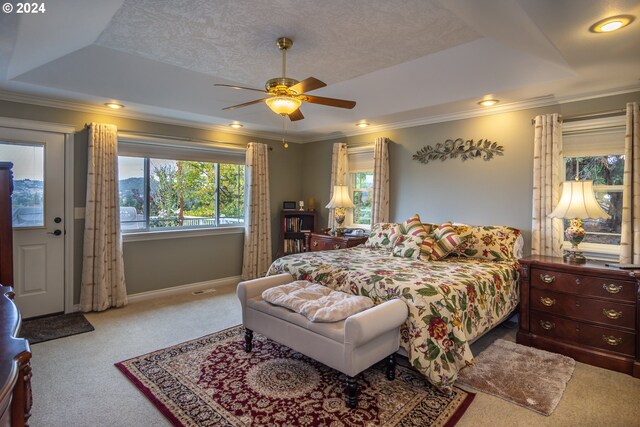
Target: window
361,191
594,150
197,188
27,200
360,185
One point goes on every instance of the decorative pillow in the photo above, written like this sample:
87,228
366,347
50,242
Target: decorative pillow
495,243
407,246
413,226
380,236
440,243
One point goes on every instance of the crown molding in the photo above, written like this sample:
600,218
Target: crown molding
128,114
544,101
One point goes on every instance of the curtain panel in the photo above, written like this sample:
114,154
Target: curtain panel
257,230
546,236
630,241
380,199
339,172
103,283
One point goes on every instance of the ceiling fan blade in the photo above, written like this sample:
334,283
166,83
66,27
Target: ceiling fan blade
296,115
241,87
331,102
307,85
233,107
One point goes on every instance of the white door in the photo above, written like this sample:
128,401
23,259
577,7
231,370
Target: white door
38,221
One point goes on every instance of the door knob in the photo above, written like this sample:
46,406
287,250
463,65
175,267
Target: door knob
55,232
57,220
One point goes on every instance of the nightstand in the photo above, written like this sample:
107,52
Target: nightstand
586,311
325,242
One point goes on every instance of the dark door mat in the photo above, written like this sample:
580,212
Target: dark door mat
54,327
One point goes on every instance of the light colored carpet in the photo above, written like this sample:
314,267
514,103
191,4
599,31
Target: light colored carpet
523,375
76,384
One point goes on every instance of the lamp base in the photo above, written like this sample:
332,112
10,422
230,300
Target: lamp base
574,257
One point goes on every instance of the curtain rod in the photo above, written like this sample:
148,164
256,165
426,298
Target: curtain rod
179,138
601,114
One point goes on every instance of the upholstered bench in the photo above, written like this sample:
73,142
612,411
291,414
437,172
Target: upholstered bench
349,346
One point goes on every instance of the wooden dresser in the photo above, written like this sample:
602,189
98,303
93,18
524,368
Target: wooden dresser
325,242
15,355
586,311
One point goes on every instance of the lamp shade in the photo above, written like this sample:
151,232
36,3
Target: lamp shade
283,104
340,198
578,201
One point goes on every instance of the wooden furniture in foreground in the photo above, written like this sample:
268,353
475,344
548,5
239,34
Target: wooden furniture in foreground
6,232
586,311
15,370
325,242
296,225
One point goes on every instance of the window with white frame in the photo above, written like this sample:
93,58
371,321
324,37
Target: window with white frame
360,185
175,188
594,150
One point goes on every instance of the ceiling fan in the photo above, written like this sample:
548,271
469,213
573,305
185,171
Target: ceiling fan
285,95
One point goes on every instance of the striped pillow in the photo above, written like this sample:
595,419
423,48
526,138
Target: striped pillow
413,227
445,241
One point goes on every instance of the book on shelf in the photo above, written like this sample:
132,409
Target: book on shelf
293,246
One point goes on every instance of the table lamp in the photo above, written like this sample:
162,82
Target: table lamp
340,201
577,202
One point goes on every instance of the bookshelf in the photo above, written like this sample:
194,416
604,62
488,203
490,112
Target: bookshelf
296,225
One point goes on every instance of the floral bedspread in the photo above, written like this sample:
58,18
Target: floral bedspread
450,301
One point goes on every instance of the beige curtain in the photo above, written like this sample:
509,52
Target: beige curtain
630,242
380,200
546,236
339,172
257,228
103,284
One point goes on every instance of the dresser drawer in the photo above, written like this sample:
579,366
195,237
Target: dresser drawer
577,307
320,244
546,325
583,285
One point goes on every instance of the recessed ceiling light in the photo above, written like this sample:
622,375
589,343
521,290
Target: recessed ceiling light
114,105
611,24
362,124
488,102
236,125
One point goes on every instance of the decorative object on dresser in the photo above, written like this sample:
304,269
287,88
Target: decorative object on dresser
451,149
325,242
588,311
296,226
15,355
340,201
577,202
288,205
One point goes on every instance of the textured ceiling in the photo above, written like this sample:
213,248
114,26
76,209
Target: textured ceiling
235,40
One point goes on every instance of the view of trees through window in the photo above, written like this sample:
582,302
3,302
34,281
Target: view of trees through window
607,174
159,193
361,191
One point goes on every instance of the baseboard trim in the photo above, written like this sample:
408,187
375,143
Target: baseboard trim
180,289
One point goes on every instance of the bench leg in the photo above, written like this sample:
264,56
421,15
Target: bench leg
352,392
391,367
248,337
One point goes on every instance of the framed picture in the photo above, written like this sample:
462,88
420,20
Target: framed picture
289,205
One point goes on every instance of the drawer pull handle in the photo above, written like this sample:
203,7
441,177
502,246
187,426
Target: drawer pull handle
336,246
547,301
611,288
611,340
578,282
315,244
612,314
547,279
547,325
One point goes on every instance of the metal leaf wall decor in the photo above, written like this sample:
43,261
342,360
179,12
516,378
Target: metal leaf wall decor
451,149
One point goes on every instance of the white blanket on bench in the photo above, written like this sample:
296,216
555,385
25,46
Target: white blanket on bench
316,302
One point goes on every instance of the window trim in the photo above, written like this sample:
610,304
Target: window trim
140,236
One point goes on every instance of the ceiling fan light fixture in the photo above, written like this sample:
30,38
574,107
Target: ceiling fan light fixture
283,105
612,23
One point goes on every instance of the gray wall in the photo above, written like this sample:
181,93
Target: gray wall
497,192
158,264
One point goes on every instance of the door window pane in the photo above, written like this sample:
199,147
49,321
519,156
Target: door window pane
27,201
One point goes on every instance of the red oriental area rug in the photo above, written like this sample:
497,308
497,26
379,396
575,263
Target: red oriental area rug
211,381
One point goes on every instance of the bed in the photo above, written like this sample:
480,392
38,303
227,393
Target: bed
451,302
